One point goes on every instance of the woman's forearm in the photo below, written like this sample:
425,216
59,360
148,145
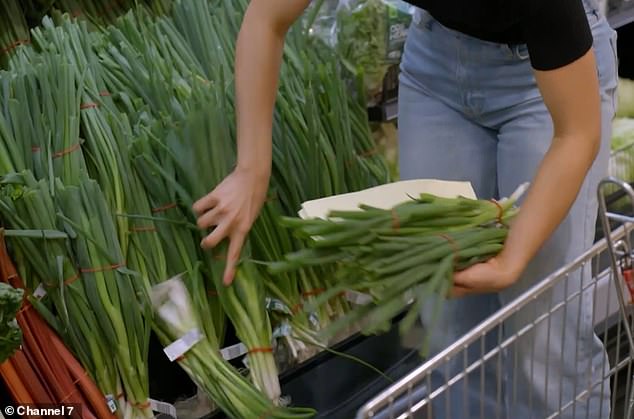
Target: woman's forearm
258,60
552,194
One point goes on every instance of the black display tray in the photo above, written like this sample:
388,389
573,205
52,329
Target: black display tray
336,386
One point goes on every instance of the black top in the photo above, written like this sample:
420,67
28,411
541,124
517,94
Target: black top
556,31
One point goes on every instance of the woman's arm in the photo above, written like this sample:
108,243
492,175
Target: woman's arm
233,206
571,94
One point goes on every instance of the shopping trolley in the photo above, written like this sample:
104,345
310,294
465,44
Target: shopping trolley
610,290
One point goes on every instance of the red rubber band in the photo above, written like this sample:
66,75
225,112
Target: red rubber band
297,308
35,149
69,150
143,405
14,45
89,105
396,223
71,279
143,230
212,293
500,210
267,350
105,93
164,208
103,268
313,293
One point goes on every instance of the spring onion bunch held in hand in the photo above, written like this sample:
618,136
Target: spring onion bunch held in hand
399,256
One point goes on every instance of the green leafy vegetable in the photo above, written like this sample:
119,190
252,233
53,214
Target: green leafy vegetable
10,333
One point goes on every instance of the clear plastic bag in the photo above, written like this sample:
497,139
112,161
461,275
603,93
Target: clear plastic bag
368,34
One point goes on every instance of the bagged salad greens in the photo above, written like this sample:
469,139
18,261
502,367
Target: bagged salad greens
369,35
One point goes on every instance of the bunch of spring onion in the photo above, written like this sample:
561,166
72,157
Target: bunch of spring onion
237,397
400,256
204,136
14,30
42,112
43,255
114,292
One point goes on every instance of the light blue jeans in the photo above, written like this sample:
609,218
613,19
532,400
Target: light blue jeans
470,110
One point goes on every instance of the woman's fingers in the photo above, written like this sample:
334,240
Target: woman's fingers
219,233
236,241
211,218
205,203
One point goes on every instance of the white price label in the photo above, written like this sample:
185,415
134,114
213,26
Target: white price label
162,407
233,351
358,298
112,405
39,292
178,348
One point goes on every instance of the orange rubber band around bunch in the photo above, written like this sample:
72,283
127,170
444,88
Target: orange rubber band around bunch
71,279
396,222
105,93
102,268
297,308
35,149
500,211
164,208
266,350
143,230
146,404
89,105
14,45
313,293
69,150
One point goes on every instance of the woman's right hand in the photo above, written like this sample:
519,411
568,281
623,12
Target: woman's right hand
230,210
232,207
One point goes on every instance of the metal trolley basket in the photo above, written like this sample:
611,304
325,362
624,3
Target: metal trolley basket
609,288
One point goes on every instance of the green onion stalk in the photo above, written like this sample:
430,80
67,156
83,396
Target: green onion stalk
121,308
399,256
29,209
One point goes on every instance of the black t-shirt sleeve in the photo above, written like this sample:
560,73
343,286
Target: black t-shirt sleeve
557,33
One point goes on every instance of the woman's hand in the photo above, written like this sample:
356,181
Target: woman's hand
231,209
492,276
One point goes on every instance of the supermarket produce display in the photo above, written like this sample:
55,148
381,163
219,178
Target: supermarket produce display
116,117
111,127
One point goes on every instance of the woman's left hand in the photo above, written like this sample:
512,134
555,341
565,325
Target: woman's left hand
488,277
